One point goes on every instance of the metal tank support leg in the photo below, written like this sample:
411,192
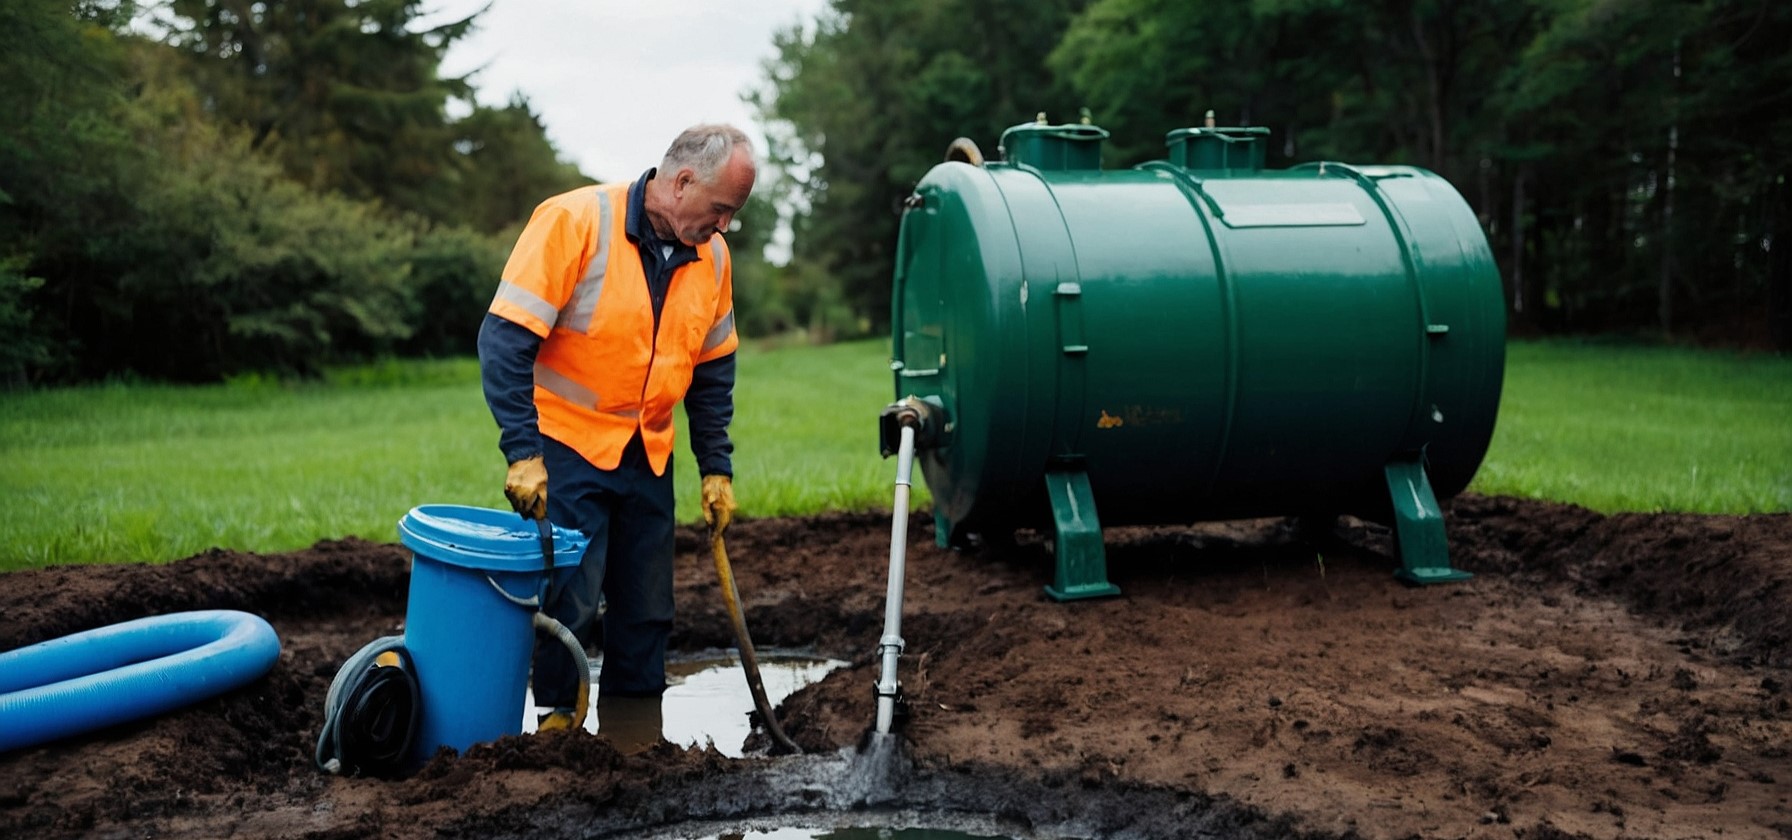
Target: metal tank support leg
1082,560
1419,537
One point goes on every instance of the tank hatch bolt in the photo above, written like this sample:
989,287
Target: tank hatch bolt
1087,118
1040,118
1209,118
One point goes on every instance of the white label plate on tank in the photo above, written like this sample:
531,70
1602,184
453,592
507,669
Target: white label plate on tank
1291,215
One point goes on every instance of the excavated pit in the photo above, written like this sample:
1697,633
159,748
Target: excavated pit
1620,676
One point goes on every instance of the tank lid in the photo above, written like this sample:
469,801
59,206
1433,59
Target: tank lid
1218,148
1054,147
483,538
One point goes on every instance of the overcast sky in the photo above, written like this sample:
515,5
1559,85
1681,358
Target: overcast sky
615,80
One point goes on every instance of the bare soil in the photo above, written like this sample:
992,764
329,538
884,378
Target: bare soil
1622,676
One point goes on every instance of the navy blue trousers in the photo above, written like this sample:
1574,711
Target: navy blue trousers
627,514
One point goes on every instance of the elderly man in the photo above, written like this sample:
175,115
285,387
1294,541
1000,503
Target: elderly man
617,303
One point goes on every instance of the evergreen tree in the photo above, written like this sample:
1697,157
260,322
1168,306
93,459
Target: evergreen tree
509,167
865,102
345,93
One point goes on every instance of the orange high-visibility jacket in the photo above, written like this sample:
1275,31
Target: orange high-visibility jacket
576,280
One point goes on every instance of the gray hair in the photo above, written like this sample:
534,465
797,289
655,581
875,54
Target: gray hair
704,148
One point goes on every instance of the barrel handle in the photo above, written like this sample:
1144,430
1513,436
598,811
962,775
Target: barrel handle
964,150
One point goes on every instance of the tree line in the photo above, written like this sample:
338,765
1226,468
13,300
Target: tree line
1627,158
207,187
198,188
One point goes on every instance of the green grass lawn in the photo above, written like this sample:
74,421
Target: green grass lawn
1637,428
122,473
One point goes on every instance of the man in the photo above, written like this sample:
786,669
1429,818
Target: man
617,303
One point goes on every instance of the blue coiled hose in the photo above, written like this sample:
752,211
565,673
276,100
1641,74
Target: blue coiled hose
127,671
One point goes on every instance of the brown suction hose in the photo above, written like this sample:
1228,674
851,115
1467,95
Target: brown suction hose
749,662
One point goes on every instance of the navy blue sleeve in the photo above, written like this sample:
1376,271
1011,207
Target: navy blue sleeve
507,371
709,405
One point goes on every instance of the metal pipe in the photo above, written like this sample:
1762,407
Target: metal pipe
890,646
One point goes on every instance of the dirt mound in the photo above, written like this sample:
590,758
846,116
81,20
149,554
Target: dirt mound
1617,676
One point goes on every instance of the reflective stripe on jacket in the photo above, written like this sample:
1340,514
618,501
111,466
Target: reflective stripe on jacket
575,279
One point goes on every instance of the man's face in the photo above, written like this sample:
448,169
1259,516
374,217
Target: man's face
703,209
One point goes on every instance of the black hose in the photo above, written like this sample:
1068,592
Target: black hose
371,712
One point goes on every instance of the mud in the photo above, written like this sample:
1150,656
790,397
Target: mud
1604,677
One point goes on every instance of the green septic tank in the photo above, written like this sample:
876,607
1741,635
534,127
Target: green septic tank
1196,338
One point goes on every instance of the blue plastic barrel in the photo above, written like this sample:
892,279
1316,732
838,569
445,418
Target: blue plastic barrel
470,645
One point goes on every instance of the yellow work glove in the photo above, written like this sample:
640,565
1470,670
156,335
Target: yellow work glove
554,720
526,486
718,501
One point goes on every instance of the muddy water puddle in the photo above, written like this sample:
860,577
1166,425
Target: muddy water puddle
850,834
706,701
